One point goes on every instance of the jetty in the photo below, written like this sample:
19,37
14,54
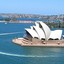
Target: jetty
41,35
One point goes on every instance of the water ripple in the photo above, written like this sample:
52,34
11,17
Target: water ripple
10,33
18,55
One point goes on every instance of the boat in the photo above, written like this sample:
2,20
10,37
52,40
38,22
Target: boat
5,22
41,35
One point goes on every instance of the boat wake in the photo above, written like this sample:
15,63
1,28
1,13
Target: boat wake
10,33
18,55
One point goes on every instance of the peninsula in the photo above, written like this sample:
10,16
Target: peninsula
41,35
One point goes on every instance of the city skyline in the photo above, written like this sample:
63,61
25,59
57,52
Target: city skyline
43,7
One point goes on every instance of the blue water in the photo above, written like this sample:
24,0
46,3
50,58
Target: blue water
27,19
11,53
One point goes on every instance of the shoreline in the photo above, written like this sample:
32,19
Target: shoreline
16,22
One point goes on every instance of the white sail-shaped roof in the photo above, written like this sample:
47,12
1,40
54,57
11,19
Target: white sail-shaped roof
39,32
32,33
42,31
36,23
46,30
31,27
56,34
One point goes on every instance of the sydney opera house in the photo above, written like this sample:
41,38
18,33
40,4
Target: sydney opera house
42,31
39,35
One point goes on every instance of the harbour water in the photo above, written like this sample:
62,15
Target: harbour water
11,53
